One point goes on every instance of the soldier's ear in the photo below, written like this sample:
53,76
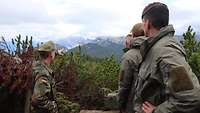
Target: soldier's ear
149,25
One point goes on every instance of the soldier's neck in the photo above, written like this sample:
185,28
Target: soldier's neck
47,62
153,32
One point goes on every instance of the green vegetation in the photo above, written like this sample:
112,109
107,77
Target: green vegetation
15,74
85,79
66,106
82,81
192,48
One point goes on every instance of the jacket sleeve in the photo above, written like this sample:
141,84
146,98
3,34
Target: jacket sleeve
181,84
125,82
41,91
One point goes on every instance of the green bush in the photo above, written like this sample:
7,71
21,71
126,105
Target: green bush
66,106
88,78
107,73
192,48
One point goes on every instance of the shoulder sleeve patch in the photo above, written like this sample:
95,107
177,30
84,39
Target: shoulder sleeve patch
179,79
43,80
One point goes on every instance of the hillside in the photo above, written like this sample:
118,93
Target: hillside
101,48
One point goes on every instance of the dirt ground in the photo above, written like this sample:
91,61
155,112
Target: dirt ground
97,111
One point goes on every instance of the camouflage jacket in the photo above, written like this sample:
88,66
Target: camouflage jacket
128,73
165,79
43,98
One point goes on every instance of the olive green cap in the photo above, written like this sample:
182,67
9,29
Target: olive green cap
48,46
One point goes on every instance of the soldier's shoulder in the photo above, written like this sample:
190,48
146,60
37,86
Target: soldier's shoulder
37,64
170,44
132,57
141,38
39,69
132,53
136,42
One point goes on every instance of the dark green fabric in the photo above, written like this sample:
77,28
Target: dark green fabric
128,74
161,55
44,89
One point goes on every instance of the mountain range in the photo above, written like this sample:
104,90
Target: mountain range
101,47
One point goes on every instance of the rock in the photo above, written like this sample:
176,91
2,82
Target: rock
98,111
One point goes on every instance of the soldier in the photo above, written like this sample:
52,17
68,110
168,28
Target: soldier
43,98
166,83
129,68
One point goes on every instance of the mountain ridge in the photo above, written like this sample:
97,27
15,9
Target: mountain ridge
102,47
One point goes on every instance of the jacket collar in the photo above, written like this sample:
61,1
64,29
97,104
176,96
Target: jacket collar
46,67
148,44
135,43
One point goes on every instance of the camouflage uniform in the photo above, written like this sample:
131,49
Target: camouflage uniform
128,73
165,79
44,93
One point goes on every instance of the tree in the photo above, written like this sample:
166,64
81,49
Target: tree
22,46
107,73
192,48
16,76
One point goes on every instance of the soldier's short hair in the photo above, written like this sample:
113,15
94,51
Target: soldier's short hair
157,13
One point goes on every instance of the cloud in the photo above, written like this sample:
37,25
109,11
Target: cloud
24,11
104,16
185,5
184,13
59,19
40,32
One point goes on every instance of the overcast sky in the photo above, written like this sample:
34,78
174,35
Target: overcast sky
58,19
